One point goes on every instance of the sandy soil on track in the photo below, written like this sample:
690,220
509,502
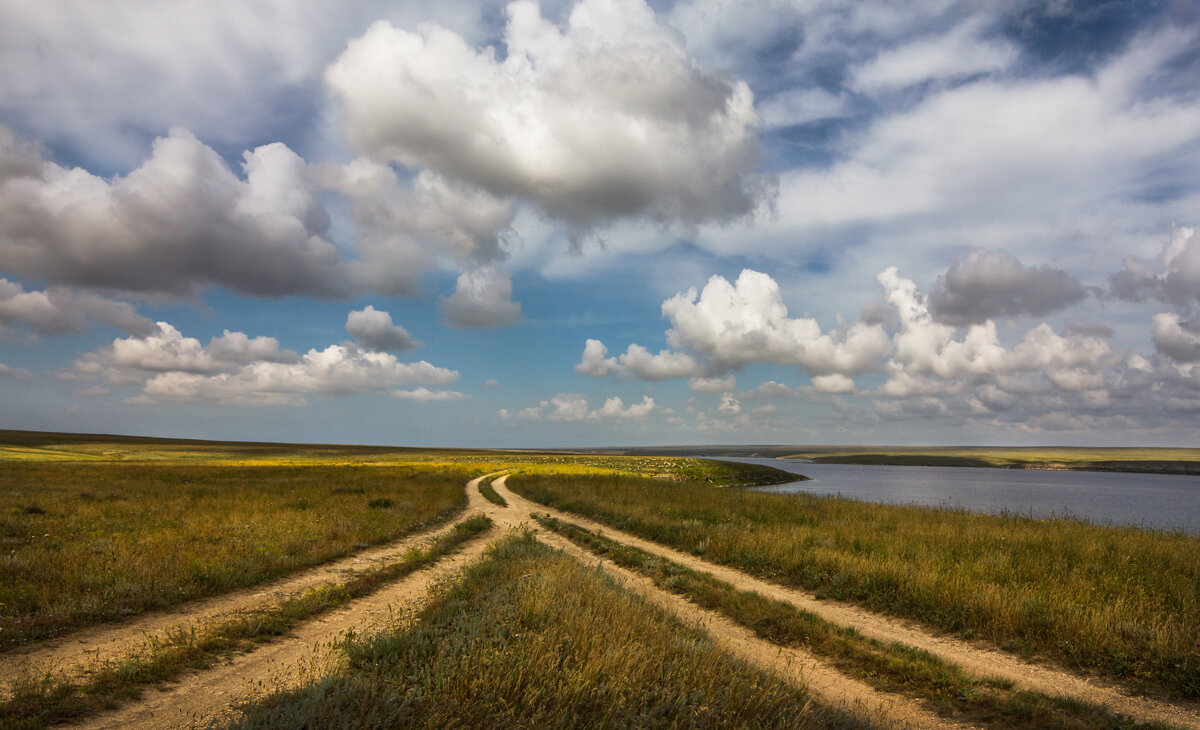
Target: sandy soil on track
305,654
795,665
976,659
74,653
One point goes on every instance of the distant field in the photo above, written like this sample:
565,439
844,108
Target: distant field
1150,460
1164,461
96,528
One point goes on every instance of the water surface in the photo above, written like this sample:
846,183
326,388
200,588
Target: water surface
1163,501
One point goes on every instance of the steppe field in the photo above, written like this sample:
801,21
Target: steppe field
156,583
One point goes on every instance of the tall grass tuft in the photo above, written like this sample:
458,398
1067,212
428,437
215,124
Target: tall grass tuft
1120,601
531,638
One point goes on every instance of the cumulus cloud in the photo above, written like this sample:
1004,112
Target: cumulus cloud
574,407
636,361
930,358
730,325
425,395
730,406
615,408
406,226
61,310
179,223
746,321
373,329
481,298
1175,338
604,117
167,349
1178,280
240,370
992,284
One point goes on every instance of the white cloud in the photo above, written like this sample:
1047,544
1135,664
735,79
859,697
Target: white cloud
491,383
636,362
179,223
586,121
963,51
374,330
1179,280
240,370
1175,338
729,405
747,321
127,359
713,385
833,383
61,310
425,395
338,370
574,407
481,298
615,408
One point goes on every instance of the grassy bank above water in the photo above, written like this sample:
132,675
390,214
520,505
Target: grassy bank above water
1122,602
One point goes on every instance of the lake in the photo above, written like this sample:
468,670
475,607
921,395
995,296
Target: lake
1143,500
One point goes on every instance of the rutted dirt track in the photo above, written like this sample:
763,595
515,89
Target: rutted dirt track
304,653
74,653
975,659
798,666
310,650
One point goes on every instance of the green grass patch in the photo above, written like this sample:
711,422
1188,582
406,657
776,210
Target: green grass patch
41,701
1122,602
491,495
889,667
87,542
531,638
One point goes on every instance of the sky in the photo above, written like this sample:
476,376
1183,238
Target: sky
602,222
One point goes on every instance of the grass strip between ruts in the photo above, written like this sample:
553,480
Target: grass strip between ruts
491,495
40,701
890,667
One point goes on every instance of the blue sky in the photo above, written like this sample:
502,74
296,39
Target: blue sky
602,222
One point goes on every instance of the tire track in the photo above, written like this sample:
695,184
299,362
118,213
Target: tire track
976,660
72,655
795,665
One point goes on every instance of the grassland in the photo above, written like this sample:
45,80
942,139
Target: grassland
96,528
530,638
1121,602
43,700
888,667
84,543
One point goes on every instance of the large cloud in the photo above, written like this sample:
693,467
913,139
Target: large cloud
1175,338
60,310
730,325
1179,280
603,118
180,222
992,284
